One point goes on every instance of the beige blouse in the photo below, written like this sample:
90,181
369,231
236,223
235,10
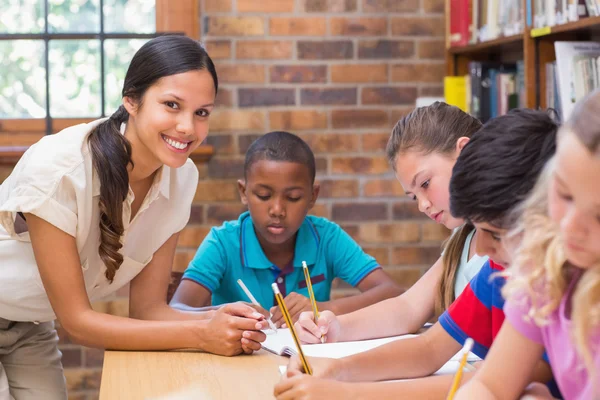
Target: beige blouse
55,180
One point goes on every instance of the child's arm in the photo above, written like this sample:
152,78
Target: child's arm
396,316
190,295
405,358
60,269
508,368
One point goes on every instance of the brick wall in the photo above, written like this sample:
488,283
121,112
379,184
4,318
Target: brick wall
339,73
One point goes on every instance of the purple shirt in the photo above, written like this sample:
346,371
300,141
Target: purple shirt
568,368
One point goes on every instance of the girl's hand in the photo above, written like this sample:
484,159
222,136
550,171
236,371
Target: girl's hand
234,329
305,387
327,326
329,368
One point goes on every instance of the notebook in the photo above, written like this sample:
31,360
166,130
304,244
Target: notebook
282,344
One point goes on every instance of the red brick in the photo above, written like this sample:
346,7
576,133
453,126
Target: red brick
222,143
226,168
416,255
389,95
332,142
336,188
217,190
358,26
265,6
237,120
433,6
241,73
182,259
329,6
217,5
375,141
359,118
325,50
264,49
434,232
355,212
93,357
390,6
244,142
404,276
224,98
83,379
298,73
351,230
320,210
437,91
358,73
218,49
217,214
192,236
297,26
432,49
196,214
418,26
423,72
407,209
385,49
321,165
329,96
397,113
359,165
374,232
382,188
381,254
265,97
234,26
298,120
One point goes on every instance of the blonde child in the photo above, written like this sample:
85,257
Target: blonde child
553,293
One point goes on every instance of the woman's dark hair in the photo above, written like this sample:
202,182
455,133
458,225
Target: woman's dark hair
111,152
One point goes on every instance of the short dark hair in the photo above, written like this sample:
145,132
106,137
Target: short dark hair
280,146
499,166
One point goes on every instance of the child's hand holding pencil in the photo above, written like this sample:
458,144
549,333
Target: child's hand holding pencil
311,332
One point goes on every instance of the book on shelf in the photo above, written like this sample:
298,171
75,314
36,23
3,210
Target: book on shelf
489,90
558,12
577,73
474,21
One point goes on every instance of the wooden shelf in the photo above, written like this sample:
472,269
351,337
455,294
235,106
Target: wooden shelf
9,155
496,44
590,23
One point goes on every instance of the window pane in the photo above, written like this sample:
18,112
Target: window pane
136,16
74,16
23,79
21,16
117,56
74,78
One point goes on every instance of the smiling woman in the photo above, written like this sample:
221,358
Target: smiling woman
100,205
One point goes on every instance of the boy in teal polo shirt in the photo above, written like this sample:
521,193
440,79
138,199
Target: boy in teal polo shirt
269,242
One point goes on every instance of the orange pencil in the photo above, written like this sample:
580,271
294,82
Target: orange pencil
311,295
463,361
290,324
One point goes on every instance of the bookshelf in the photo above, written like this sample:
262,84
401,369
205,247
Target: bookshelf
535,46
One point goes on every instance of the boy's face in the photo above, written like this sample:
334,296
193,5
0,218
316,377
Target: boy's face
278,194
491,241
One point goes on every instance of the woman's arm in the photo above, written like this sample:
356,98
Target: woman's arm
60,269
512,363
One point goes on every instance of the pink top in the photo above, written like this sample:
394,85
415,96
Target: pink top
568,368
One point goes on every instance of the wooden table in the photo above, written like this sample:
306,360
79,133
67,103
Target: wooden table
151,375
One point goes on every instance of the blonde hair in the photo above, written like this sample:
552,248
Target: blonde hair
541,273
436,128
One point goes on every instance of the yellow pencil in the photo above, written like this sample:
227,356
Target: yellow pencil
311,295
290,324
463,361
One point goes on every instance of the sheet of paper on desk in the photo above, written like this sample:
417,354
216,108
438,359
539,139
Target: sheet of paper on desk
283,344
